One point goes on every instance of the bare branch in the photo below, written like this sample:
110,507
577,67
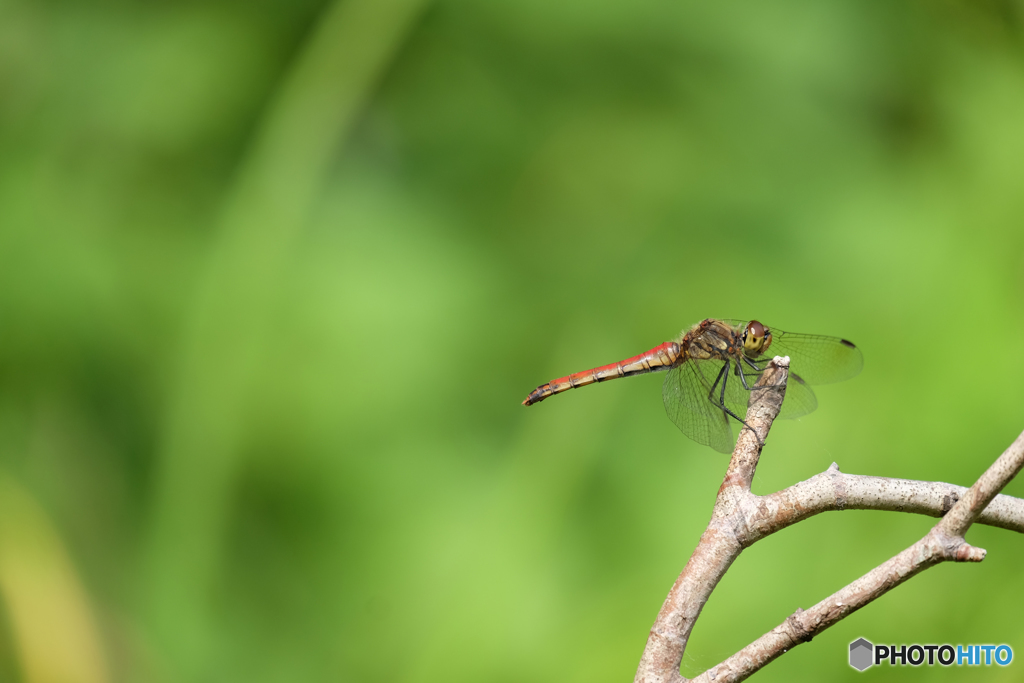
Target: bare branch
720,544
740,518
834,490
974,502
945,542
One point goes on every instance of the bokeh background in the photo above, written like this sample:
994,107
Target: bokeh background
275,276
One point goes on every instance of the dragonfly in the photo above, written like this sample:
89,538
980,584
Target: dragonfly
713,366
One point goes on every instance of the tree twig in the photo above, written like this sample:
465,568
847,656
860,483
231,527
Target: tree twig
835,490
722,541
740,518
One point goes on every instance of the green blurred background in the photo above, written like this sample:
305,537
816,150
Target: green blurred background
275,276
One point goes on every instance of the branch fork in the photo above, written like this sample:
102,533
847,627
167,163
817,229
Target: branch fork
740,518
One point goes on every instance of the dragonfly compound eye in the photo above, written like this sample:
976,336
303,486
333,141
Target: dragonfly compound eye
753,337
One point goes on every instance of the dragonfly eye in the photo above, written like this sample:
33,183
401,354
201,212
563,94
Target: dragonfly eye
753,337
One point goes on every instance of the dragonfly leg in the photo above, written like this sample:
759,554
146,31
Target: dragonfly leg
711,394
757,370
753,365
792,375
743,375
723,374
723,377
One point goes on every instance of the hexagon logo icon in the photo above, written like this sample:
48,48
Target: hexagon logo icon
861,654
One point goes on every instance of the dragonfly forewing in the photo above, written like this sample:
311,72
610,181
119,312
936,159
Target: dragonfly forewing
817,359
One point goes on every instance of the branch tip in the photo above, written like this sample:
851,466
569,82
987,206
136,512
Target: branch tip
969,553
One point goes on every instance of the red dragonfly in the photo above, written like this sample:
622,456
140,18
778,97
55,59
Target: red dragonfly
714,365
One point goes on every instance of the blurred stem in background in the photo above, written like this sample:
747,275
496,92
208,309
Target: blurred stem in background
51,619
223,339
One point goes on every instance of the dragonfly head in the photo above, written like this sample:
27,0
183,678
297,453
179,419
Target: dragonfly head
756,338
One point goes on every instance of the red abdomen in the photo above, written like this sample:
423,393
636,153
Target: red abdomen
660,357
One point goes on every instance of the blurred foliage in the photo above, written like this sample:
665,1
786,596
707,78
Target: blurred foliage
269,430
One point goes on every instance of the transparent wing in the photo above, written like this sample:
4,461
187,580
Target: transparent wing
685,393
816,359
689,389
799,400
